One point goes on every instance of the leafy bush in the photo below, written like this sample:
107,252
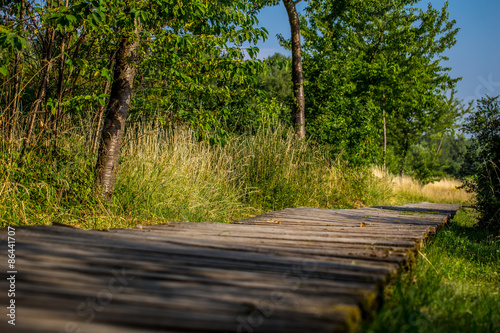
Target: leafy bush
483,160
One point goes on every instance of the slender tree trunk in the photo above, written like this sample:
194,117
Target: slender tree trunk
114,123
297,75
60,84
76,54
17,81
385,140
406,147
440,145
44,82
60,89
15,106
100,114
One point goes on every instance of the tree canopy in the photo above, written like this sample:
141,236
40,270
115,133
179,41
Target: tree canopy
369,60
373,73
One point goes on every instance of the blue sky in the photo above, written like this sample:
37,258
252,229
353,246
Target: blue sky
475,57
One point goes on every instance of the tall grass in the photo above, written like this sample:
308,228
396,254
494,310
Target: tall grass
44,184
170,174
278,170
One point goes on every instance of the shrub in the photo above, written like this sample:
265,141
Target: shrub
483,160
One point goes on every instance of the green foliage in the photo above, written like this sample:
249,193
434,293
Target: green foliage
433,157
10,43
425,164
347,129
277,78
193,74
453,150
47,184
454,286
368,58
483,159
262,110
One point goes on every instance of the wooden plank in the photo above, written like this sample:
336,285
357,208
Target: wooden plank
322,249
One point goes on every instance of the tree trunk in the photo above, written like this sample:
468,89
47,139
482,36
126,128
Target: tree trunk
44,82
17,79
60,90
406,147
297,76
60,86
100,114
114,123
385,140
15,107
440,145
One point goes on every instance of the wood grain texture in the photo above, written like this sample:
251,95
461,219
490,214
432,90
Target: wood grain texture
296,270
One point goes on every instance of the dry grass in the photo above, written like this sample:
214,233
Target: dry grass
171,175
443,191
406,189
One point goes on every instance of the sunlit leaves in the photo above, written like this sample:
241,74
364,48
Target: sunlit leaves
385,55
10,43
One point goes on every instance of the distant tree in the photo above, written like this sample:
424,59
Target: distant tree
277,77
437,152
451,157
424,162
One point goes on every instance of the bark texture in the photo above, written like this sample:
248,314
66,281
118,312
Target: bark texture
297,76
114,123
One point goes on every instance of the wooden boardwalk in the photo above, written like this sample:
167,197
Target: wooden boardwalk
296,270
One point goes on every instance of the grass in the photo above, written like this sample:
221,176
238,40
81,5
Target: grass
46,185
443,191
406,189
454,286
170,175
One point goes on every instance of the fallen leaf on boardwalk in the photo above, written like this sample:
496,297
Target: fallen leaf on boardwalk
363,224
